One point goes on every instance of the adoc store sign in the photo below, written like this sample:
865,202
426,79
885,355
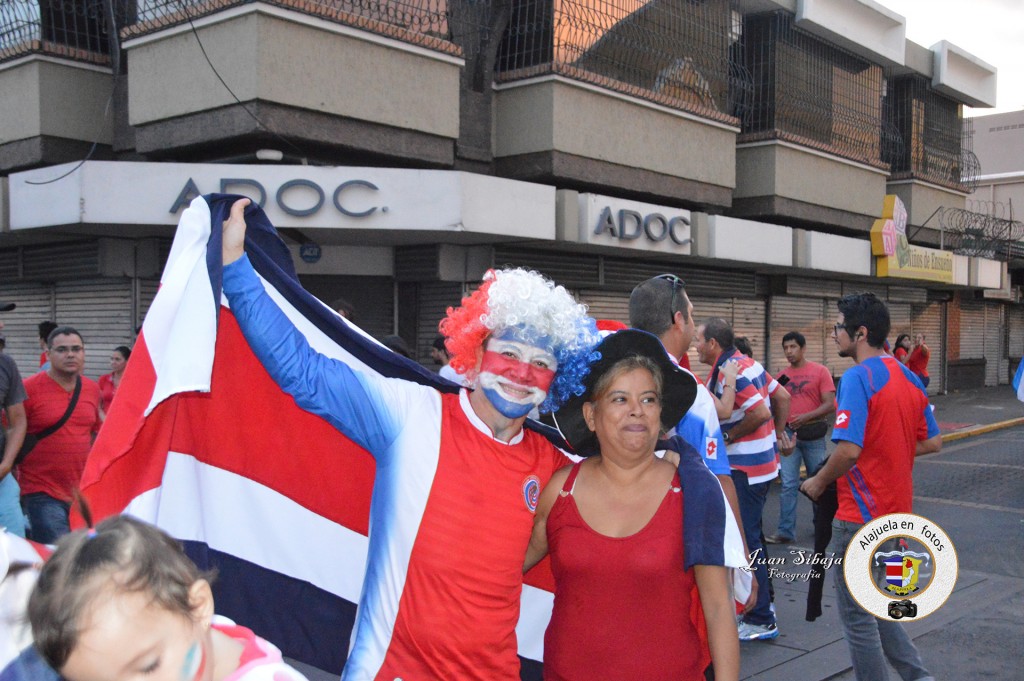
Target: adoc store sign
610,221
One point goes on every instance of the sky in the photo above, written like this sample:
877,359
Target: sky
992,30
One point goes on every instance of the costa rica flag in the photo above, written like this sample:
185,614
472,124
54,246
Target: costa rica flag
201,442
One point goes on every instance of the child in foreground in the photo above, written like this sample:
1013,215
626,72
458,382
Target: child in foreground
123,601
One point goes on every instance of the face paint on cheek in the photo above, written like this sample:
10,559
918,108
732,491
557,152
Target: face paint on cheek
513,387
523,373
195,663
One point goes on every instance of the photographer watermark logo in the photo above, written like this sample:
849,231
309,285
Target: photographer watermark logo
900,566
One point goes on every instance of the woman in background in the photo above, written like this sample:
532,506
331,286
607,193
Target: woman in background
110,382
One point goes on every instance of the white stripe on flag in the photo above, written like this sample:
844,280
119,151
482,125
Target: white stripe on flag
235,515
181,325
534,614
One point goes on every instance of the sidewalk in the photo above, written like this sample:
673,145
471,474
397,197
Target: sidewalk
973,412
816,651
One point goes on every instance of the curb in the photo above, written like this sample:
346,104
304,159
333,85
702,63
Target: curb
981,430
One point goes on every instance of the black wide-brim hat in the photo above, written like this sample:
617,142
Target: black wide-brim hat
679,388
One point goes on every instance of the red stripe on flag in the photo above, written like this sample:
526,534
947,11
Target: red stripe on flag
246,425
130,451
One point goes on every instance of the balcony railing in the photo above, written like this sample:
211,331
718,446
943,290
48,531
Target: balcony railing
427,23
674,52
75,29
937,138
812,93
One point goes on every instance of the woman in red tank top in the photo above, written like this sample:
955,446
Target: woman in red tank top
624,606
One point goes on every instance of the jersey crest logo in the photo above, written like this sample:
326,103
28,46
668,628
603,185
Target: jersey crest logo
711,447
531,492
843,418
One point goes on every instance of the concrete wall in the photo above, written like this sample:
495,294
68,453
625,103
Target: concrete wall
55,98
276,56
999,142
923,200
555,114
783,170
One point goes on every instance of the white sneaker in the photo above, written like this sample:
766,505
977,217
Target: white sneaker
757,632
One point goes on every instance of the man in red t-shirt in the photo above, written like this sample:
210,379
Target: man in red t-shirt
50,473
813,401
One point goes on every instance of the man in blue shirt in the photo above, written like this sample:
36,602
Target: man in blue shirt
661,307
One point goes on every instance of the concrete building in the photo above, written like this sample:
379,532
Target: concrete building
996,227
403,147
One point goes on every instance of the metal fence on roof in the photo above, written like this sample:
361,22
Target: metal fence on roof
425,22
813,93
938,139
76,29
675,52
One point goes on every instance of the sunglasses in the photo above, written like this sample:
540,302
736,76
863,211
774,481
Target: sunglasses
677,284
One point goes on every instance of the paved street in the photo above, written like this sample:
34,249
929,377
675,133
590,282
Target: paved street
973,489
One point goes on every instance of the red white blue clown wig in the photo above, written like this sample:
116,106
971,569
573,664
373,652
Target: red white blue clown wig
539,311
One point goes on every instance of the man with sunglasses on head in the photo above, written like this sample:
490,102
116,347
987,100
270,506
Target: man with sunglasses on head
50,473
883,421
661,307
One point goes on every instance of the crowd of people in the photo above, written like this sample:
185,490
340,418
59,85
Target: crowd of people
651,514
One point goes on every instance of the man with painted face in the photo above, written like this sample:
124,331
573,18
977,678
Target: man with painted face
458,477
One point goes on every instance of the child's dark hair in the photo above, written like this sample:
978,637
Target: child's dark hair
122,552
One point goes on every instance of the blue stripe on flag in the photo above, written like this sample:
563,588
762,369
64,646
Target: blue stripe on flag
316,625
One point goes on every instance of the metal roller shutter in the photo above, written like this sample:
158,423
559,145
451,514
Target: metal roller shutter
972,330
995,343
929,320
806,315
146,292
35,304
814,288
748,319
624,274
605,305
1015,327
372,297
879,290
432,302
899,316
836,364
101,310
572,270
908,295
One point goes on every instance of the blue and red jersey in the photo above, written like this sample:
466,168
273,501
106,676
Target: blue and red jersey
451,513
882,408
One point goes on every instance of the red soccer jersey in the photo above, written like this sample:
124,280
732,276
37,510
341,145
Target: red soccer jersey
881,410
